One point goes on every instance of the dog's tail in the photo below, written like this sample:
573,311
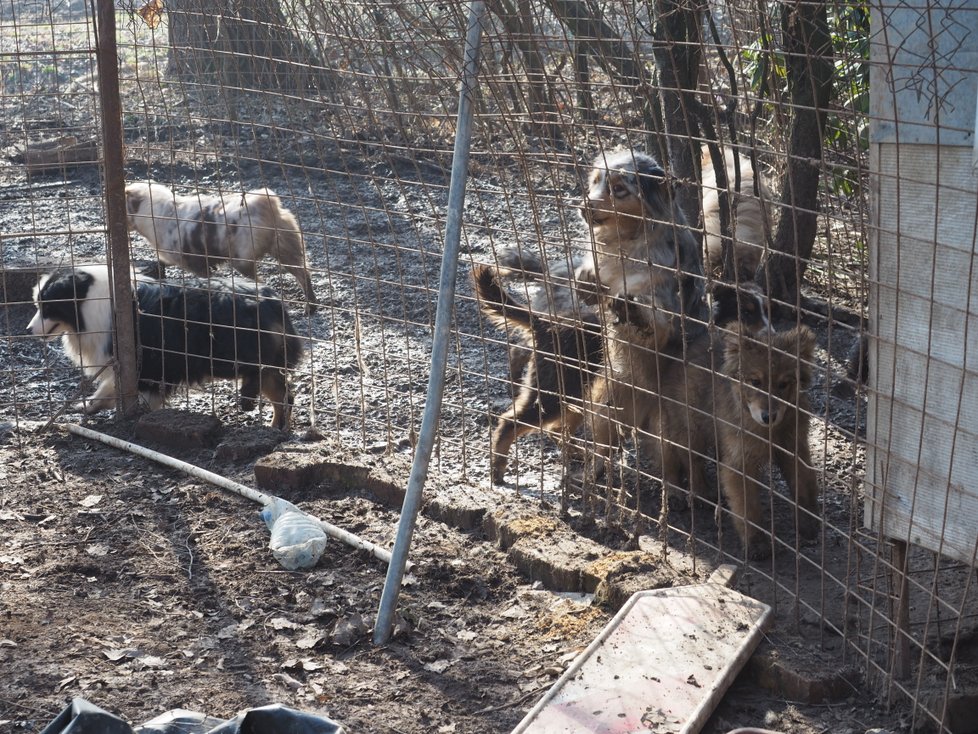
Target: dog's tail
498,306
511,261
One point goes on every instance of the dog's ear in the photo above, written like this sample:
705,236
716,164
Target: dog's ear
732,341
652,183
134,200
806,343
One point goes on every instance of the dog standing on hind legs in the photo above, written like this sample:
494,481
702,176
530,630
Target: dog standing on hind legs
649,272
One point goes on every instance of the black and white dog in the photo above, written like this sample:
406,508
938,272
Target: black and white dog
198,231
188,333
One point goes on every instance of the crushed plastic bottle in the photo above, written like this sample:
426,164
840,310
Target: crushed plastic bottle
298,539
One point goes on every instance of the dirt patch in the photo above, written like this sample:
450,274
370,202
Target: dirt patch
142,589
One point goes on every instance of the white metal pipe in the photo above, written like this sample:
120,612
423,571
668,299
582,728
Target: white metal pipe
261,498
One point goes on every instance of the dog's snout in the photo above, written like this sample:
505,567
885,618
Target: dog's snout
31,328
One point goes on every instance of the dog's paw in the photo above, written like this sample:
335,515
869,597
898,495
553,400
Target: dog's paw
758,549
808,527
498,469
90,406
677,500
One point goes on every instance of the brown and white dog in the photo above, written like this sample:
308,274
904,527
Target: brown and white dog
648,266
564,357
746,215
197,231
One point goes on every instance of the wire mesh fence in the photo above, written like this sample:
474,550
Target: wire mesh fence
346,112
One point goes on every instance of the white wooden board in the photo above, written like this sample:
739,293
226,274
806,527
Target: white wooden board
662,664
922,421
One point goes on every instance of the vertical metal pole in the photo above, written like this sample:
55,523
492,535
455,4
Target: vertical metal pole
115,206
443,319
901,631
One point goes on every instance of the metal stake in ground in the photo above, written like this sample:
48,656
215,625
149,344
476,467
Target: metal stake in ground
443,317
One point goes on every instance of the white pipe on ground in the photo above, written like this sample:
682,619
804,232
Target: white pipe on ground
224,483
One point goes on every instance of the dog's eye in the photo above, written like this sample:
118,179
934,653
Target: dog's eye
784,384
754,382
620,191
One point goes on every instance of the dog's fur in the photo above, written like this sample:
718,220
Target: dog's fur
188,333
198,231
565,352
563,359
857,361
562,291
746,214
686,420
757,409
649,267
641,237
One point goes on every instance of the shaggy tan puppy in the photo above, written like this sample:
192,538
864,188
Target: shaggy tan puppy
756,409
198,231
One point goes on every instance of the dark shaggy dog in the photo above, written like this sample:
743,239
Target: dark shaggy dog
188,334
198,231
564,291
563,358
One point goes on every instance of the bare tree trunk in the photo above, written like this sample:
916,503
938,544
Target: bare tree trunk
582,79
593,37
541,105
240,46
600,41
808,56
678,56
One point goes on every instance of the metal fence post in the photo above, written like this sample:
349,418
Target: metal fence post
442,334
113,156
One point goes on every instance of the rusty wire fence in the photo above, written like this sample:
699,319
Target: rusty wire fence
347,111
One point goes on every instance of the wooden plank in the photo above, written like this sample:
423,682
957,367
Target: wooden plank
922,420
662,664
